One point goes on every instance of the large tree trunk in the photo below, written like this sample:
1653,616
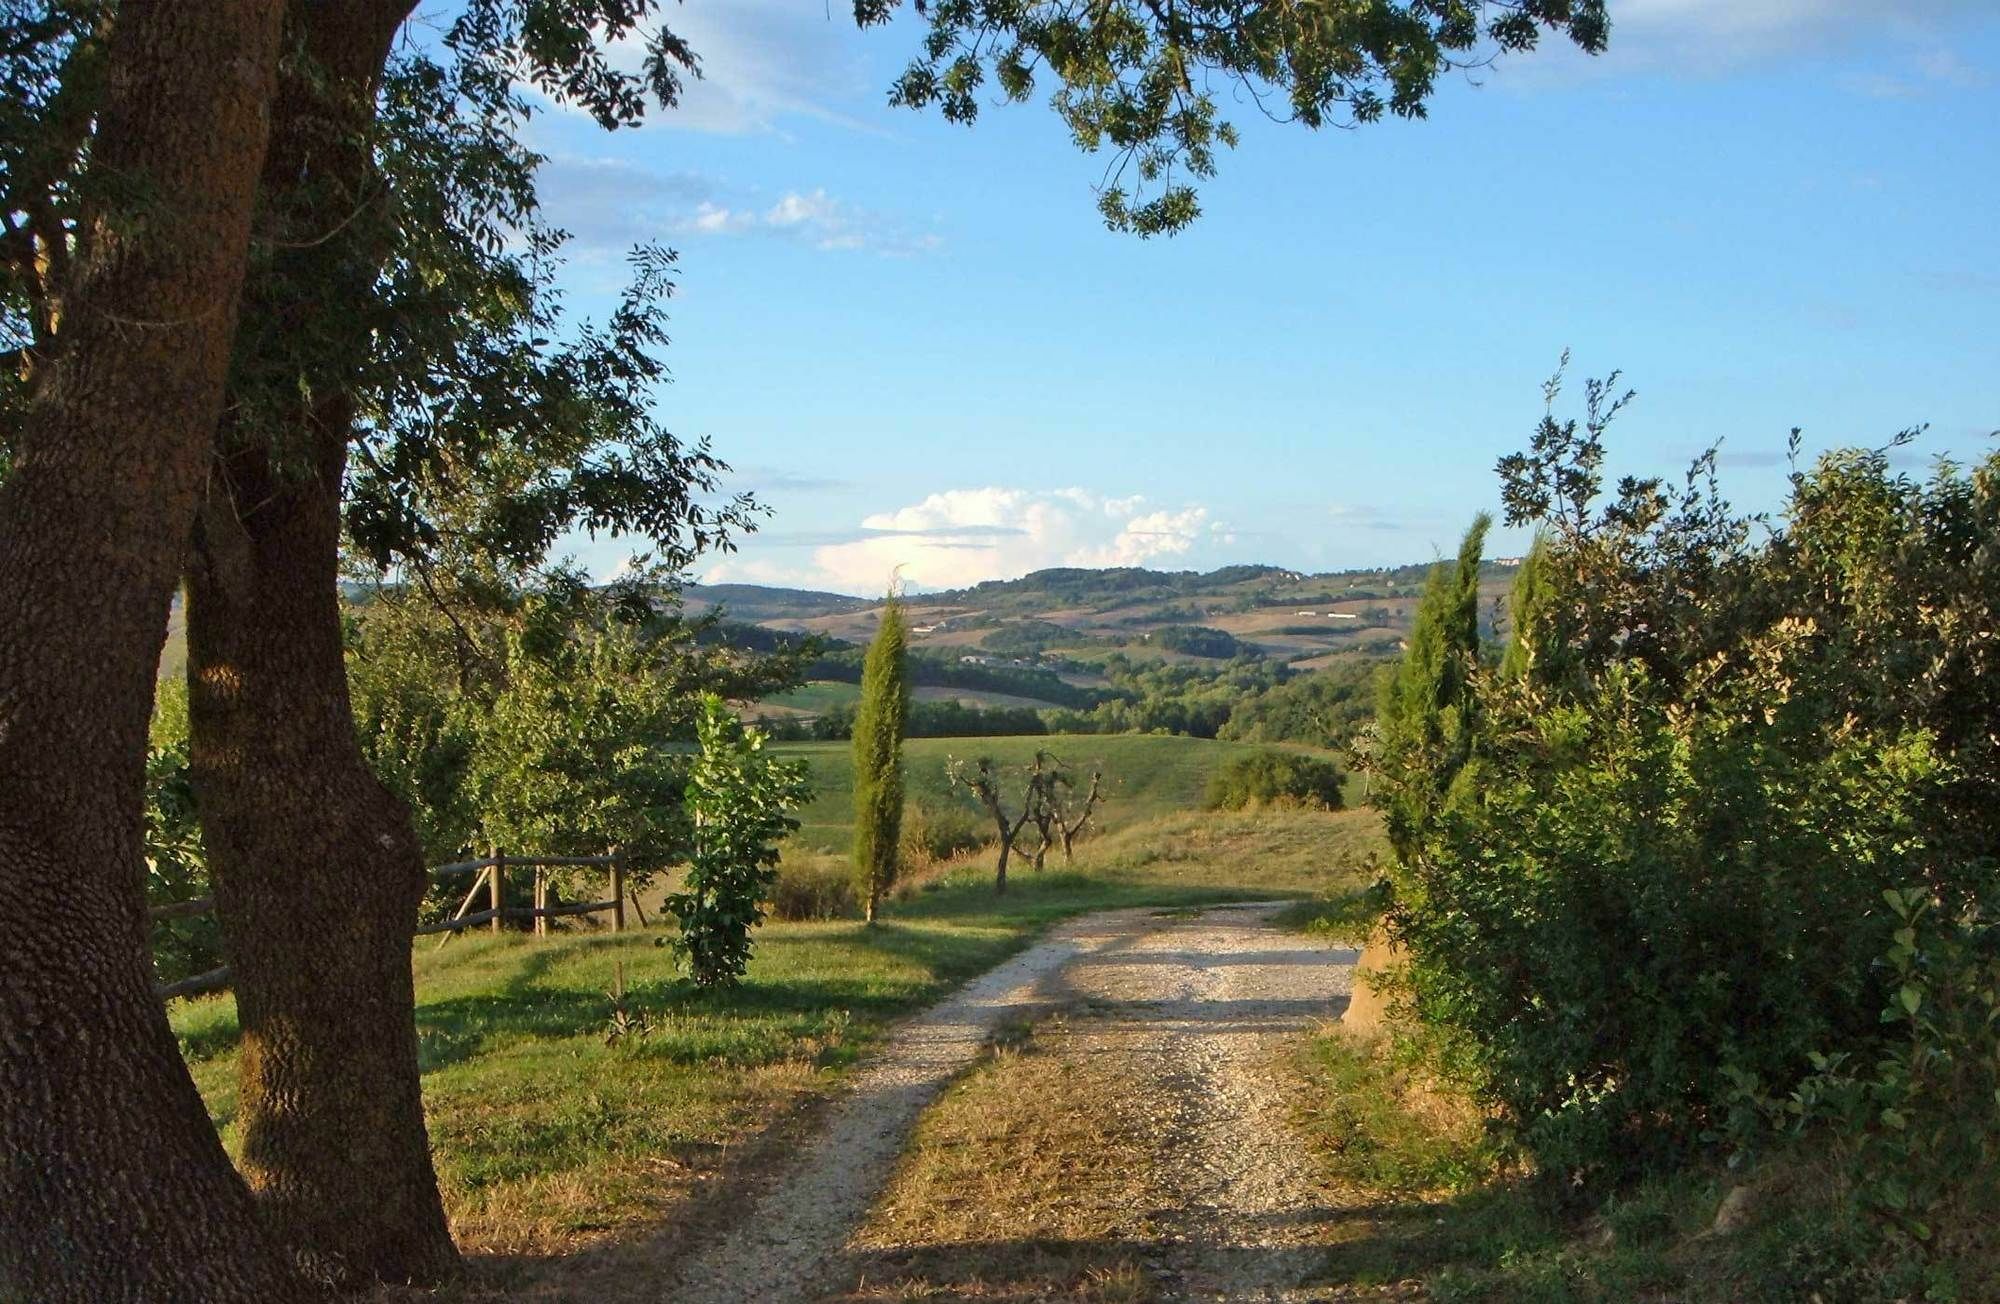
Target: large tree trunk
113,1185
317,867
318,874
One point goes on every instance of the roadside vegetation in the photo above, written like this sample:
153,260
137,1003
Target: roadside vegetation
1697,873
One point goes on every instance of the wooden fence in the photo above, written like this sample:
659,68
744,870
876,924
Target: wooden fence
491,876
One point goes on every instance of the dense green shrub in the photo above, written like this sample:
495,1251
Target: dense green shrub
812,888
1268,777
1326,708
1644,860
1919,1121
739,807
1196,641
934,831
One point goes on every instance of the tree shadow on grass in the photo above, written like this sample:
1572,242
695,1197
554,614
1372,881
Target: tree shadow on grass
676,1022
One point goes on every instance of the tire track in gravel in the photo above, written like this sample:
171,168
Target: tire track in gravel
780,1247
1197,1018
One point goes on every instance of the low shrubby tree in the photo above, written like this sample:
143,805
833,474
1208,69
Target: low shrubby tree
739,803
983,780
933,831
1266,777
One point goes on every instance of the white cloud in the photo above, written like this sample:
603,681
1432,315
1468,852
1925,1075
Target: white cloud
1707,36
961,536
813,218
610,204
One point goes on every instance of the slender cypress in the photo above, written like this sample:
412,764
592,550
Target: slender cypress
1528,617
1424,725
879,723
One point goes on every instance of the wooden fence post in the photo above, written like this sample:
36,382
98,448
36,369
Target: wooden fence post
541,901
617,892
495,894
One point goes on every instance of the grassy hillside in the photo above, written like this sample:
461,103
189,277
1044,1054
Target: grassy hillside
1148,775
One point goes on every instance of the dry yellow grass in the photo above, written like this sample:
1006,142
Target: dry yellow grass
1024,1182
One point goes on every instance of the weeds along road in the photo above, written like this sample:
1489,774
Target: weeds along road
1186,1010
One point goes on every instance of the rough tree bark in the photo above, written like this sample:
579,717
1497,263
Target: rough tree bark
317,867
113,1185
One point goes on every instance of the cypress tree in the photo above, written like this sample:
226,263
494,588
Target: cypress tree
1528,613
879,723
1424,726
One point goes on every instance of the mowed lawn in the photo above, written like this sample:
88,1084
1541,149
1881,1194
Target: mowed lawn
551,1132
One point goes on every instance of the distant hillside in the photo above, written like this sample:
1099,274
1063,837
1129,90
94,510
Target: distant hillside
758,602
1074,615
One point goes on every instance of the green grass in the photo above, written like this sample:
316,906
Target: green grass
547,1134
1147,775
985,699
1450,1210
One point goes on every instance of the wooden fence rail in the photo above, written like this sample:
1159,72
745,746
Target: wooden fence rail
491,871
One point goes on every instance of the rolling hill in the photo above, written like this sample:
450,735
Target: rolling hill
1069,618
1147,775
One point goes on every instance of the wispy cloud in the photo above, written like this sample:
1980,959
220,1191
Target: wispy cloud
610,204
813,218
1364,517
761,63
1925,72
1713,36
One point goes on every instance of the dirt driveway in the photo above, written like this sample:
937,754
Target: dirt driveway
1184,1010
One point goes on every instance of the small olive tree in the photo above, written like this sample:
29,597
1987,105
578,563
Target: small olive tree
739,801
1038,800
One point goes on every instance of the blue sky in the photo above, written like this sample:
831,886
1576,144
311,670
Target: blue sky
920,347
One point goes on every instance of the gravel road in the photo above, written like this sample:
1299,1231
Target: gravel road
1193,1004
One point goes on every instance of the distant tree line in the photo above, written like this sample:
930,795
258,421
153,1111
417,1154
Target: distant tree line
944,669
945,719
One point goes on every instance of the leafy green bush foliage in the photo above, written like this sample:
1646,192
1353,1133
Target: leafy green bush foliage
176,867
935,831
1326,708
1919,1122
739,803
1273,777
1643,861
1196,641
813,887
